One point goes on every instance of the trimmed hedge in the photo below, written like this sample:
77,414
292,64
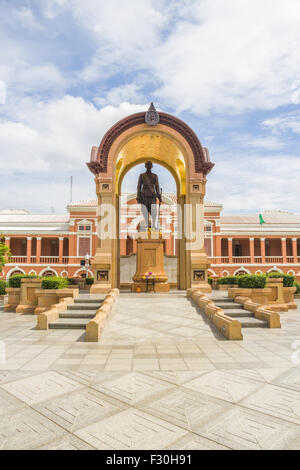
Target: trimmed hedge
288,279
252,281
55,283
228,280
296,284
72,281
3,285
15,281
89,281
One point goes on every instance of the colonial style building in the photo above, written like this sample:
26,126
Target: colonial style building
57,244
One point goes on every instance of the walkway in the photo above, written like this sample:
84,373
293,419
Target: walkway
160,378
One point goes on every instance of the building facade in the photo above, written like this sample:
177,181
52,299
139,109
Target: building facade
57,244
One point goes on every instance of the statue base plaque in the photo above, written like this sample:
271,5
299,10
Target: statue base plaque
150,275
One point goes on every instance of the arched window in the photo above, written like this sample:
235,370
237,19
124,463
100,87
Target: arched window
14,273
49,273
240,272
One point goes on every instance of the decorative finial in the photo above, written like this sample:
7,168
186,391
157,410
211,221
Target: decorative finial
152,116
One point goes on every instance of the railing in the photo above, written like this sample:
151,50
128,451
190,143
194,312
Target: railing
49,259
274,259
218,259
18,259
213,259
241,259
46,260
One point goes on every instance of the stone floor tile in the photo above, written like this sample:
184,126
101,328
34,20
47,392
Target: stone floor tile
184,408
192,441
78,409
26,430
9,404
131,429
41,387
275,401
223,385
132,387
290,378
67,442
243,429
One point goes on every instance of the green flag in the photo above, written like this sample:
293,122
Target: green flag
261,220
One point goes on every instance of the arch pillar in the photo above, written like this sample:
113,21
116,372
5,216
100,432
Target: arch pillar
105,259
174,145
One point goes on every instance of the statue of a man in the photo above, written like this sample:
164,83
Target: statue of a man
147,193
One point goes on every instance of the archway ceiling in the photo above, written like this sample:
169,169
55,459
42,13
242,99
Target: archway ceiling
156,147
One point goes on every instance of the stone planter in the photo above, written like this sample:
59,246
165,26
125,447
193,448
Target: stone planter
225,286
46,298
28,298
68,292
13,301
274,295
288,295
259,296
234,292
49,297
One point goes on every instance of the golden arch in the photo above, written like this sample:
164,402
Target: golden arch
172,144
154,146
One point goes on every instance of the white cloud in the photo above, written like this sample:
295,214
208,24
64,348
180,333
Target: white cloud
48,142
52,8
284,122
234,55
271,142
208,56
27,19
255,182
128,92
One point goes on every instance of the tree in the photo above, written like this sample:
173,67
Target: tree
5,253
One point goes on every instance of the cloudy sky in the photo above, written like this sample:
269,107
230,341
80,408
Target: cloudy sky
69,69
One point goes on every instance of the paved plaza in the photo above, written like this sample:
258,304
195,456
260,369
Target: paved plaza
161,378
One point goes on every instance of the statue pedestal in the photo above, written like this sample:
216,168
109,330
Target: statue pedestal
102,266
150,259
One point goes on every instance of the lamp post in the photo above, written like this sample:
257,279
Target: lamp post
87,263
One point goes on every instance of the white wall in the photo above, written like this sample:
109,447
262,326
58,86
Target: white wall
128,266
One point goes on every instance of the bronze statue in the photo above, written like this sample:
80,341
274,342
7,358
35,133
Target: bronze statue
147,193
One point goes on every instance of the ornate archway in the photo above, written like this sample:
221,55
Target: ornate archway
168,141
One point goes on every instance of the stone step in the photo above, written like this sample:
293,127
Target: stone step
69,324
88,299
228,305
238,313
78,313
84,306
222,299
252,323
75,314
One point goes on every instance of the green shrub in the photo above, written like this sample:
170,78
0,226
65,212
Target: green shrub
71,281
90,280
228,280
3,285
288,279
15,281
296,284
252,281
54,283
